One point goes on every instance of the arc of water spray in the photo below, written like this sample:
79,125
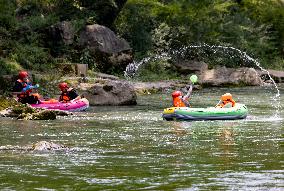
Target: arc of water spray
249,58
132,68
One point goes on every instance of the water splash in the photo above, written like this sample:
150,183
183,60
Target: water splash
132,68
184,51
245,57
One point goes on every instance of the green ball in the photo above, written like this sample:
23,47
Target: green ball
193,78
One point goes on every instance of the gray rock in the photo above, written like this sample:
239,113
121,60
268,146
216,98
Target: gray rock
62,31
108,92
47,146
277,76
107,49
39,146
190,66
230,76
102,39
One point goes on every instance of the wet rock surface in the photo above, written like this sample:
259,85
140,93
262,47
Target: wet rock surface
26,112
39,146
109,92
231,76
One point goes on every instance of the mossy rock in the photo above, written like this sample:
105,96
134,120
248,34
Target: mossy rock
7,102
22,108
42,115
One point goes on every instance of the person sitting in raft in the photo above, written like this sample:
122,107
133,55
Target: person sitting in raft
181,101
23,89
226,101
67,94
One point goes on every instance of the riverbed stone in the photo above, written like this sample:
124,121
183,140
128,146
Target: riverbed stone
17,110
47,146
39,146
40,115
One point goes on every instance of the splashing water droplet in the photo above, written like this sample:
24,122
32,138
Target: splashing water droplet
182,52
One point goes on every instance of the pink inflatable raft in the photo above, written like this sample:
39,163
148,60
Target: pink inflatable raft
73,105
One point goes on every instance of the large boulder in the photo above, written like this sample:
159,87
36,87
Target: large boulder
190,66
108,92
109,50
62,32
277,76
231,76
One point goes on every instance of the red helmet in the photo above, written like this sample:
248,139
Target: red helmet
63,85
176,93
23,74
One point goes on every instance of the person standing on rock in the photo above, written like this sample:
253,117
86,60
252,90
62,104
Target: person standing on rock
67,94
23,89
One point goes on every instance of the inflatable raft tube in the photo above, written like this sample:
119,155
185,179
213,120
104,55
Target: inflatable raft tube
73,105
239,111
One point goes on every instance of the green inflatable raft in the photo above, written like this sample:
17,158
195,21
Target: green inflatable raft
239,111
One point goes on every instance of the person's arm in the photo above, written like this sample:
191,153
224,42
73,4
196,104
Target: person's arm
219,104
188,93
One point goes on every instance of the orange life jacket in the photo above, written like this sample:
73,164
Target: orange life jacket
226,102
26,93
64,97
177,102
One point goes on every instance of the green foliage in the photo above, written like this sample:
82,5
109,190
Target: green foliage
254,26
31,57
156,70
8,67
151,27
7,14
86,58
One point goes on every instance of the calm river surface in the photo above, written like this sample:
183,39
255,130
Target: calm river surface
132,148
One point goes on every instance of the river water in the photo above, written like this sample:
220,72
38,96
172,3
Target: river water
132,148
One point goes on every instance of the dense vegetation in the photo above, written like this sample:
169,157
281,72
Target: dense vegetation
150,26
254,26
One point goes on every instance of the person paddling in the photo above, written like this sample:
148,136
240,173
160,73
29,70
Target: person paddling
179,100
67,94
23,89
226,101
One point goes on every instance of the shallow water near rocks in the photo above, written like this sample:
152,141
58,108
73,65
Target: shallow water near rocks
132,148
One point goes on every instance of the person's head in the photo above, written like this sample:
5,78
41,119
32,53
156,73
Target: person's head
227,97
176,94
23,75
63,86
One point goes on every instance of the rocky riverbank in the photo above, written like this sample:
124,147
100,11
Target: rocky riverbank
11,108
